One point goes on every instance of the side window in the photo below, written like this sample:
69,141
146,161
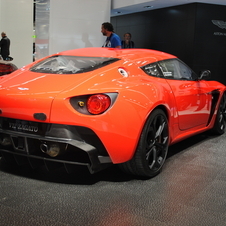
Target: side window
176,69
186,73
152,69
168,69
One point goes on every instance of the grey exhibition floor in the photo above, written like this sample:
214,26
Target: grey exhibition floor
191,190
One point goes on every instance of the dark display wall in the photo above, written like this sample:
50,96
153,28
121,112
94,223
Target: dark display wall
196,33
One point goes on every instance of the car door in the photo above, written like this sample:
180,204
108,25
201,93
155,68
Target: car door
192,97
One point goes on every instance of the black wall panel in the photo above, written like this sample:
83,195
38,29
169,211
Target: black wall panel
186,31
210,40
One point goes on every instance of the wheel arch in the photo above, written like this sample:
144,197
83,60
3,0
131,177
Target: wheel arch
168,116
161,107
165,110
137,164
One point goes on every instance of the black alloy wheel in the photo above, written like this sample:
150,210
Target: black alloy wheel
220,122
152,148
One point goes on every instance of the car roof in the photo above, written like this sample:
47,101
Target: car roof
126,54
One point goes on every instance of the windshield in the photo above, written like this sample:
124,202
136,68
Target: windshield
71,64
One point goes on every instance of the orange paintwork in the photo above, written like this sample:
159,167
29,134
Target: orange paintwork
186,103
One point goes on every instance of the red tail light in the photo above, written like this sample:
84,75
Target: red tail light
98,103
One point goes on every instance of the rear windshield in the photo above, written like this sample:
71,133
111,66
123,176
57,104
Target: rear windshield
71,64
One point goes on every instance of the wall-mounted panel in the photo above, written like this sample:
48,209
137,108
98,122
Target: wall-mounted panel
77,24
16,19
70,24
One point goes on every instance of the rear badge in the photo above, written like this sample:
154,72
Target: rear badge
22,127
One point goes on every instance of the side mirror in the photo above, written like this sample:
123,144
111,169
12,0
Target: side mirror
206,74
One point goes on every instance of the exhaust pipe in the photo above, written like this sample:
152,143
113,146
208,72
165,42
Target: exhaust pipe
52,150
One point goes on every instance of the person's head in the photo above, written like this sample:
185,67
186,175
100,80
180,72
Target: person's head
3,34
127,36
107,28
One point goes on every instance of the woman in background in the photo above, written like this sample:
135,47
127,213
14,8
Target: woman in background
127,43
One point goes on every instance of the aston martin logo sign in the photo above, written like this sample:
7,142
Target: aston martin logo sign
221,24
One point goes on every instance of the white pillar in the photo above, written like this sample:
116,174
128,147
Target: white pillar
16,19
70,24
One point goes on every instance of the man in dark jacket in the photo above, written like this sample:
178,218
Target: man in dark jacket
4,45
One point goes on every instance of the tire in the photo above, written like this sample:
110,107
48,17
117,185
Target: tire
220,121
152,148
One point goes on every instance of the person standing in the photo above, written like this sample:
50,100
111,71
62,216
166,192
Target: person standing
127,43
113,40
4,45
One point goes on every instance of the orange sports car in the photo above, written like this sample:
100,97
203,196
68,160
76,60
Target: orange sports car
99,106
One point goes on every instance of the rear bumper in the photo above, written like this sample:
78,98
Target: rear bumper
52,145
